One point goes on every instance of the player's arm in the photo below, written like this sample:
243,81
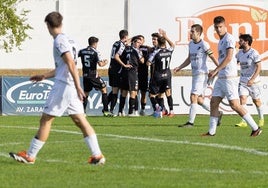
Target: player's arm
141,58
164,34
151,58
184,64
118,60
225,62
37,78
103,62
209,52
256,73
68,59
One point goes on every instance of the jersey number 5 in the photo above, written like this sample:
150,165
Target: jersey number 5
87,60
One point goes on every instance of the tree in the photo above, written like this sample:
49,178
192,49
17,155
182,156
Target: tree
13,25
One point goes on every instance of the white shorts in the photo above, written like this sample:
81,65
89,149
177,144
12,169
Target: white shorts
254,91
63,98
226,88
199,84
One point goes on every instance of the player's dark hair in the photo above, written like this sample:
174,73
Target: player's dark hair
247,38
198,28
123,33
92,40
218,19
161,41
155,35
133,39
54,19
140,36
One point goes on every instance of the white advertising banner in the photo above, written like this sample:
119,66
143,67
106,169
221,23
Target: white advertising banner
181,88
22,97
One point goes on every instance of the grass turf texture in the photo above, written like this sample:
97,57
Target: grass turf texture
140,152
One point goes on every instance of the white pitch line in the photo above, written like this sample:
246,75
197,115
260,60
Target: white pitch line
214,145
164,169
238,148
209,171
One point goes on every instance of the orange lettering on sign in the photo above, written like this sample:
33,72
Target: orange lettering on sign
239,19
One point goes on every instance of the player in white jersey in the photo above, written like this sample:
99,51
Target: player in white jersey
65,96
250,63
199,50
227,83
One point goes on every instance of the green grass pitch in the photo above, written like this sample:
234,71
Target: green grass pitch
140,152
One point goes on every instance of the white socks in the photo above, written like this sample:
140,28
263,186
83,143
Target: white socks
260,112
192,113
35,147
93,145
91,142
213,121
206,107
250,121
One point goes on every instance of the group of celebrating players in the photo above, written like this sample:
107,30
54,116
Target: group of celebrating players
129,72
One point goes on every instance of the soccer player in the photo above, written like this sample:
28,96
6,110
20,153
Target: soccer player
199,50
134,57
90,58
123,84
143,75
115,68
226,85
250,63
65,96
160,81
160,97
155,37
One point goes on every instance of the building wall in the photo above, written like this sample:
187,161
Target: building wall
105,18
82,18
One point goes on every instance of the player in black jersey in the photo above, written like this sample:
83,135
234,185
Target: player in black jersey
143,76
115,68
90,58
132,56
160,97
160,81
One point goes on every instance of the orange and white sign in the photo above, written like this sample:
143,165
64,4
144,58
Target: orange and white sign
240,19
242,16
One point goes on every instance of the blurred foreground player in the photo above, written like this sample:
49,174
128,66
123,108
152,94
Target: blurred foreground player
65,96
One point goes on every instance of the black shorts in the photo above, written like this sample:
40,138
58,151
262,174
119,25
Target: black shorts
129,81
89,83
114,79
143,82
157,86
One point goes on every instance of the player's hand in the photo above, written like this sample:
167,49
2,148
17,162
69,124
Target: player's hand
250,83
128,66
105,61
80,93
162,32
37,78
176,69
212,74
